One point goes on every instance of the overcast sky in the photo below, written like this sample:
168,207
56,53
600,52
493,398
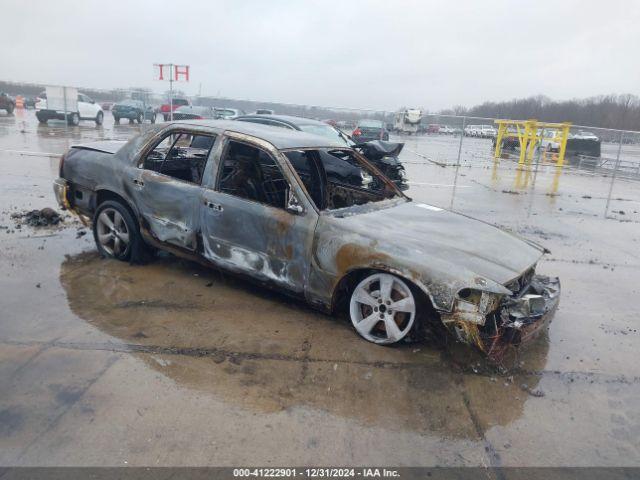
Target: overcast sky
366,54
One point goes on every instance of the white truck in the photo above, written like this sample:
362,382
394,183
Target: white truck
407,121
60,103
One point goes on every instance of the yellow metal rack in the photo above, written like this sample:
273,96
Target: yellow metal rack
530,133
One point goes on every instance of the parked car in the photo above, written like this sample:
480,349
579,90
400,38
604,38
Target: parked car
87,110
446,130
167,108
264,111
133,110
384,155
584,135
266,209
189,112
7,103
481,131
367,130
228,113
106,106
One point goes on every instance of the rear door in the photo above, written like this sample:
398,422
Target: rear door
256,218
167,185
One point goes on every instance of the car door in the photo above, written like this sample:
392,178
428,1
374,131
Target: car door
167,185
85,109
256,218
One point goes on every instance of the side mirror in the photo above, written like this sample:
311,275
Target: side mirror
293,204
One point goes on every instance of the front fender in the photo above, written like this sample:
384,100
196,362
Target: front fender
338,254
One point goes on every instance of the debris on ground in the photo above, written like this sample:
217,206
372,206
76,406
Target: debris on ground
534,393
38,218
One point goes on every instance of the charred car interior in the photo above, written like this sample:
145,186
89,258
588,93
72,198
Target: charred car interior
290,210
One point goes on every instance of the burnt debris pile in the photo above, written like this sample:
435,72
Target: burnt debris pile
38,218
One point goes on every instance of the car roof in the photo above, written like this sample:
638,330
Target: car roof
289,119
281,138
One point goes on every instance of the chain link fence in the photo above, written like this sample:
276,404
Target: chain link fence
450,160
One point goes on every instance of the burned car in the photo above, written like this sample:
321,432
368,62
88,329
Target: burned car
259,201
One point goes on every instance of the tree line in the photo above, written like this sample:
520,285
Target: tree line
620,112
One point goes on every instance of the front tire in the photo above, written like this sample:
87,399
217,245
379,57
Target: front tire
153,118
41,119
383,308
116,232
10,109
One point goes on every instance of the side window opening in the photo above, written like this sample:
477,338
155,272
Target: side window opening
181,155
305,163
251,173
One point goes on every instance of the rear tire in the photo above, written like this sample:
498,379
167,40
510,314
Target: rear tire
41,119
99,118
74,119
10,109
153,118
117,234
116,119
140,118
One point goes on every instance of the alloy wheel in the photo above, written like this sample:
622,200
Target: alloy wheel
382,308
113,233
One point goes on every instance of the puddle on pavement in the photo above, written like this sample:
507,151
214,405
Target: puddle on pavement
258,349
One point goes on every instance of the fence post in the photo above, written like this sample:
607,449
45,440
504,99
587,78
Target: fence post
455,179
613,177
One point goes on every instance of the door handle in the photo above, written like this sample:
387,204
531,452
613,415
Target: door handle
137,182
213,206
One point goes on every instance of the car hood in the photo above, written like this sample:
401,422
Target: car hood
427,234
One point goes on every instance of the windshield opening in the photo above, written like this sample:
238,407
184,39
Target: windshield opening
337,178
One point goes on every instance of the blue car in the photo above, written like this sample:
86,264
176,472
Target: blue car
134,110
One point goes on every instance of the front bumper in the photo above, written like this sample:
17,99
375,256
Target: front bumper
518,319
523,318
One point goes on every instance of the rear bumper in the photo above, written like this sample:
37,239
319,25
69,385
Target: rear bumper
51,114
61,190
124,114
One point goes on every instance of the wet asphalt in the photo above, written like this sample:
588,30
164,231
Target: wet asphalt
105,363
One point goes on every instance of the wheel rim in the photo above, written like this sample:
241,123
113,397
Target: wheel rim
382,308
112,231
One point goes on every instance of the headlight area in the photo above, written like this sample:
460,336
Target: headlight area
494,322
471,310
